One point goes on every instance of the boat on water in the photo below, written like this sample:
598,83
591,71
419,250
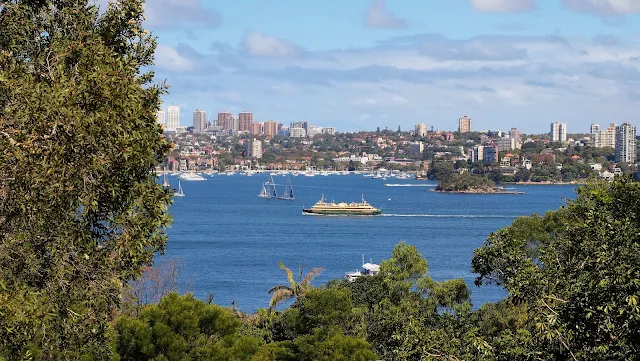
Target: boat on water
179,192
367,269
165,180
270,191
344,209
191,177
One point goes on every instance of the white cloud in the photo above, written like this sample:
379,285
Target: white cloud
259,44
167,58
604,7
378,16
501,81
504,6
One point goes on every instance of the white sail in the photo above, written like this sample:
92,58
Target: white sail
165,180
179,193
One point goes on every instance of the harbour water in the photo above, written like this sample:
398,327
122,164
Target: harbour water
230,241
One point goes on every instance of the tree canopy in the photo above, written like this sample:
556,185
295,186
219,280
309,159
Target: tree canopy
80,211
577,271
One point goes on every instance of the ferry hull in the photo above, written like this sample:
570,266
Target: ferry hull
341,212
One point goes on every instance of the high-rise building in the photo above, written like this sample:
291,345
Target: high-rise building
199,121
603,138
416,149
477,154
329,130
421,130
173,118
515,134
626,143
234,123
225,120
558,132
254,148
506,143
297,132
245,120
270,129
257,128
464,124
313,131
160,118
491,154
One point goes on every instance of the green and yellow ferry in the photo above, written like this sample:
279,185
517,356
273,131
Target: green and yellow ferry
323,208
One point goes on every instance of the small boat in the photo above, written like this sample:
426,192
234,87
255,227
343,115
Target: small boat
269,190
179,192
344,209
367,269
191,177
165,180
288,191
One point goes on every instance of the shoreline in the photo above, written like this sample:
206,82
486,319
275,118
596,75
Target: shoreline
547,183
477,192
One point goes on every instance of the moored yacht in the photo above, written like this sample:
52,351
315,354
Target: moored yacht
367,269
191,177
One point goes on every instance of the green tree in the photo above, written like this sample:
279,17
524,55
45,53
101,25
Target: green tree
578,272
523,175
80,211
292,289
183,328
440,170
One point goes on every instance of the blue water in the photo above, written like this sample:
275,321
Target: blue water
230,241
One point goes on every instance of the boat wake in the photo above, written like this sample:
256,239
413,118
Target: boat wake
409,185
448,215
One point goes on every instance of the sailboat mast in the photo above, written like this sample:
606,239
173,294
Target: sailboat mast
273,185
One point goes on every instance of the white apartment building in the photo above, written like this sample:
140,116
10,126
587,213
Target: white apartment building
626,143
602,138
329,130
199,121
173,118
160,118
254,148
297,132
558,132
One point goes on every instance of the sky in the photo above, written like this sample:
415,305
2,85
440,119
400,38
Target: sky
361,64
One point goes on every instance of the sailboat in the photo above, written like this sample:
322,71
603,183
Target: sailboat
288,191
179,193
165,180
270,191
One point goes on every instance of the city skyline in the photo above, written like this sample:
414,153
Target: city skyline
558,130
389,63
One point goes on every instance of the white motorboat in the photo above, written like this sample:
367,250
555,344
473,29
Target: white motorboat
191,177
367,269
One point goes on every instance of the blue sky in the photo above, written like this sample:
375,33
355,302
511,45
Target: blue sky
360,64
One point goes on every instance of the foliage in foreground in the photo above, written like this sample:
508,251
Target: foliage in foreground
80,213
572,277
576,271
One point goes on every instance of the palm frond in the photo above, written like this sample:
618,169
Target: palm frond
280,296
280,287
290,279
311,275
